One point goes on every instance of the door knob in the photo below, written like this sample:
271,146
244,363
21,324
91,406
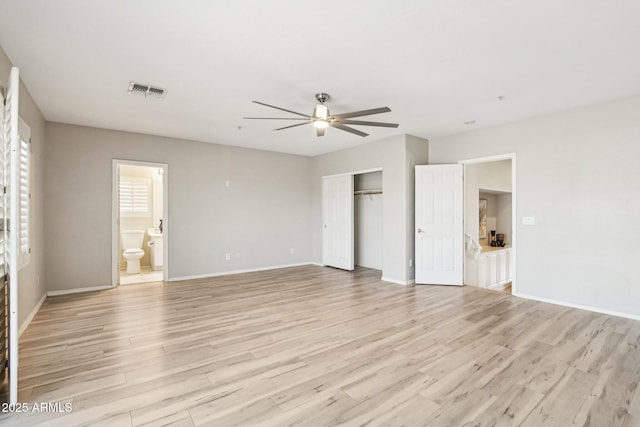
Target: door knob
420,230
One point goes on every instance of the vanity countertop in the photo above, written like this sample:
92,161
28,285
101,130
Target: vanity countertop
494,248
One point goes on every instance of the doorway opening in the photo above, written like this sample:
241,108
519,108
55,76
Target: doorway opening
490,223
352,207
368,220
139,241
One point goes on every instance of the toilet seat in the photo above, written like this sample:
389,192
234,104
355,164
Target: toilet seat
133,252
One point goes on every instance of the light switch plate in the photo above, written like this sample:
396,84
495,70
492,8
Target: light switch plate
529,220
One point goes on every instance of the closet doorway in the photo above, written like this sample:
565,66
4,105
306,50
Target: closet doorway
352,205
368,220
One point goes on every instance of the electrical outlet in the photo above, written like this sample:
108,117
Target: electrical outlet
227,184
227,256
237,255
292,251
528,220
410,263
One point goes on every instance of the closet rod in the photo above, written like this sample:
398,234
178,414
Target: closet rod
366,192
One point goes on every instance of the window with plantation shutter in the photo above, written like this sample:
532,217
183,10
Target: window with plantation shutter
3,212
10,229
134,194
24,196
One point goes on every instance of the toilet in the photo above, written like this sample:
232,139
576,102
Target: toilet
133,252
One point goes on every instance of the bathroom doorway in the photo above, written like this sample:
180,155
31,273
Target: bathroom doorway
490,223
139,241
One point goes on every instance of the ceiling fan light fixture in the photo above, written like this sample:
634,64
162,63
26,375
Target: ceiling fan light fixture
321,112
320,123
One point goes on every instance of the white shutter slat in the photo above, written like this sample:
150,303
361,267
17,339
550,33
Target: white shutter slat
24,193
134,196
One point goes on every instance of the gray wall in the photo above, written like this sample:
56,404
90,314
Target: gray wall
417,154
396,156
577,173
31,289
261,215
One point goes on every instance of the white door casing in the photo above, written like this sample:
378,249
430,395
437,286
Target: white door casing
439,225
337,220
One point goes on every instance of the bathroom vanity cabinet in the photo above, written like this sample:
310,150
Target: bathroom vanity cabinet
494,266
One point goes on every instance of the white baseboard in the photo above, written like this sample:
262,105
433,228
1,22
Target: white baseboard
581,307
250,270
33,313
398,282
78,290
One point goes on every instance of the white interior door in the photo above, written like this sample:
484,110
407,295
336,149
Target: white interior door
337,218
439,225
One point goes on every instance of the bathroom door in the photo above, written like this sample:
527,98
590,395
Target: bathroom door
439,225
337,219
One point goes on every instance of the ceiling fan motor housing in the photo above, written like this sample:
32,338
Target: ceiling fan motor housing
322,97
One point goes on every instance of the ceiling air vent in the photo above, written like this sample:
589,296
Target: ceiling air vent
146,90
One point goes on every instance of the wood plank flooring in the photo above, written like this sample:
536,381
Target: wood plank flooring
314,346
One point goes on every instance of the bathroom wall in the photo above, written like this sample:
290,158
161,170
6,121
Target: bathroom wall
158,197
504,217
498,215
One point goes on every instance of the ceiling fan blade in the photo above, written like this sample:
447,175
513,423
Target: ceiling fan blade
283,109
363,123
292,126
347,128
275,118
362,113
319,131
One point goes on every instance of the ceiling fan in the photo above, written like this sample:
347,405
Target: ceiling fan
321,119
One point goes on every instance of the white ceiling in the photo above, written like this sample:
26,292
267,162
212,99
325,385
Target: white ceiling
435,63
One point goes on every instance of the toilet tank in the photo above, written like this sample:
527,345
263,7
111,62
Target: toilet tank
132,239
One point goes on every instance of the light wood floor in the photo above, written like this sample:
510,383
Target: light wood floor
315,346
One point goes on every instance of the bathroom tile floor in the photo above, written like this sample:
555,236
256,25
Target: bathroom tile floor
145,276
